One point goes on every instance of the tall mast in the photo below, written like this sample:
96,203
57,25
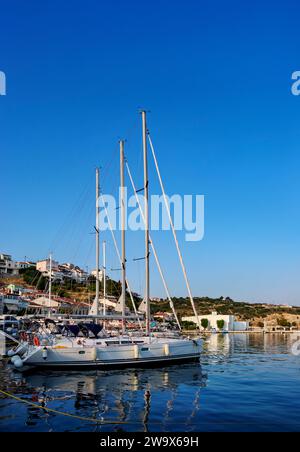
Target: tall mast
122,193
50,281
104,278
97,239
147,241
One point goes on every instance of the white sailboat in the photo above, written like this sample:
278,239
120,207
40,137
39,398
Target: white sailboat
50,351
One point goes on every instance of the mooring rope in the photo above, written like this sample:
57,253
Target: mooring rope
61,413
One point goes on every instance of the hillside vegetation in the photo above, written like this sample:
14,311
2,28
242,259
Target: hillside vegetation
256,313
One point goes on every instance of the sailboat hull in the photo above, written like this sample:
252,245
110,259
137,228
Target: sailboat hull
160,353
147,363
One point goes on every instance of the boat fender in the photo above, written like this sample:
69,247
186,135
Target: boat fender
136,352
23,336
18,363
167,349
14,358
11,353
45,353
94,354
36,341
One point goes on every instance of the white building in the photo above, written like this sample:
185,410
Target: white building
94,273
27,264
74,272
44,302
15,289
230,324
7,265
12,304
61,272
44,266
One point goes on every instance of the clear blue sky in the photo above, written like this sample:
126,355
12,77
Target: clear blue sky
216,77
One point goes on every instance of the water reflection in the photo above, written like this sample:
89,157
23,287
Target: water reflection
122,396
244,381
226,344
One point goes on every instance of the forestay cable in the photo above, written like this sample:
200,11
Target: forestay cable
153,248
174,232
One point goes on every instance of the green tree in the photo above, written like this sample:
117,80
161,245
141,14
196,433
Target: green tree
220,324
204,323
188,325
283,322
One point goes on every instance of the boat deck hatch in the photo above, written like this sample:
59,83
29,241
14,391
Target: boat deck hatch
124,342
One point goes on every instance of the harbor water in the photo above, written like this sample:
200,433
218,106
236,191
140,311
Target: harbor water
245,382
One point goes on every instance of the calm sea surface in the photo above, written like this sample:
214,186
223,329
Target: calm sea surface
244,383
